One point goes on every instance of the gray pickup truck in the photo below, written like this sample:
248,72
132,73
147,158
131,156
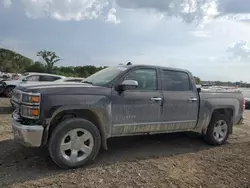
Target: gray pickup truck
74,120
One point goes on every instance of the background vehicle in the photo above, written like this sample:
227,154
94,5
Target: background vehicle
70,79
74,120
7,86
246,94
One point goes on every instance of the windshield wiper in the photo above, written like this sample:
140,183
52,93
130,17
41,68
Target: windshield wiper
87,82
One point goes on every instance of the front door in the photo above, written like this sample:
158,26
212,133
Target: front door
180,101
138,110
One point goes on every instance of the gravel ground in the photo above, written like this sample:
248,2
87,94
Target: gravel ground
173,160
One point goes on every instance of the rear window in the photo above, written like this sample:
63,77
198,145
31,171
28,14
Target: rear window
175,81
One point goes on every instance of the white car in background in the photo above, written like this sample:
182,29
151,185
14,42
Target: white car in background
70,79
8,86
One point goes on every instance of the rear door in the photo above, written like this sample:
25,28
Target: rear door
137,110
180,101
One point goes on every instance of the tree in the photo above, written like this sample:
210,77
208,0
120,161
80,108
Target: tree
36,67
197,80
50,59
11,61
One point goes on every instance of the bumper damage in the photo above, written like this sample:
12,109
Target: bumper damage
30,136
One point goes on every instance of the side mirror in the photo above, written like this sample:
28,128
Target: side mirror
24,79
128,84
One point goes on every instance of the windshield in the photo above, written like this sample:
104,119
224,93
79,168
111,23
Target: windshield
104,76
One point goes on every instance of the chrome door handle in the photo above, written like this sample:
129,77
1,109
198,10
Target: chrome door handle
156,99
192,99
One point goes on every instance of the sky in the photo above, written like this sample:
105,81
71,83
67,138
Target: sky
207,37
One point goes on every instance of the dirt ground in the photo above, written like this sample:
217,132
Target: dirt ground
173,160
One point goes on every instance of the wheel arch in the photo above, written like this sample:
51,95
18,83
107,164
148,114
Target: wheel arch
227,111
94,116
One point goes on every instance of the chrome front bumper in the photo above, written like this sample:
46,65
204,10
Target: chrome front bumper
28,135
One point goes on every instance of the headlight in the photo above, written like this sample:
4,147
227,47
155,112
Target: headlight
31,112
30,105
31,98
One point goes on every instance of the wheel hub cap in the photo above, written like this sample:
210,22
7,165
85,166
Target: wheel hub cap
220,130
76,145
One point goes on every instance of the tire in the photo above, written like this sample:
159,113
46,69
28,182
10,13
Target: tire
65,128
210,136
8,91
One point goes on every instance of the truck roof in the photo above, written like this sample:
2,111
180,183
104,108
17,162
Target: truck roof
153,66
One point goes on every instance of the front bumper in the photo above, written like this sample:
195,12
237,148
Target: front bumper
27,135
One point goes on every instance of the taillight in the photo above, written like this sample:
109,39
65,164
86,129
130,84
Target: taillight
244,104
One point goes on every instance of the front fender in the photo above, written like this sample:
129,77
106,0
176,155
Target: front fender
98,105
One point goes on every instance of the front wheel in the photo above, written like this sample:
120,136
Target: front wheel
218,130
74,142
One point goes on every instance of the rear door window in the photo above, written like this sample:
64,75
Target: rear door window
175,81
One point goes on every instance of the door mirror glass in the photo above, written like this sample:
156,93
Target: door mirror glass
128,84
24,79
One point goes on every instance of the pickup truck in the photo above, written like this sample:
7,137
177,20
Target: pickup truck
74,120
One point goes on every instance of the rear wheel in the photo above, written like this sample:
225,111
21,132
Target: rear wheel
74,143
9,91
218,130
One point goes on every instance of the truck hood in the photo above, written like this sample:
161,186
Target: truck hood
62,88
18,82
48,85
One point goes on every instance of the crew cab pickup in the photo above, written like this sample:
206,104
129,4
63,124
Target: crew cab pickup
74,120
